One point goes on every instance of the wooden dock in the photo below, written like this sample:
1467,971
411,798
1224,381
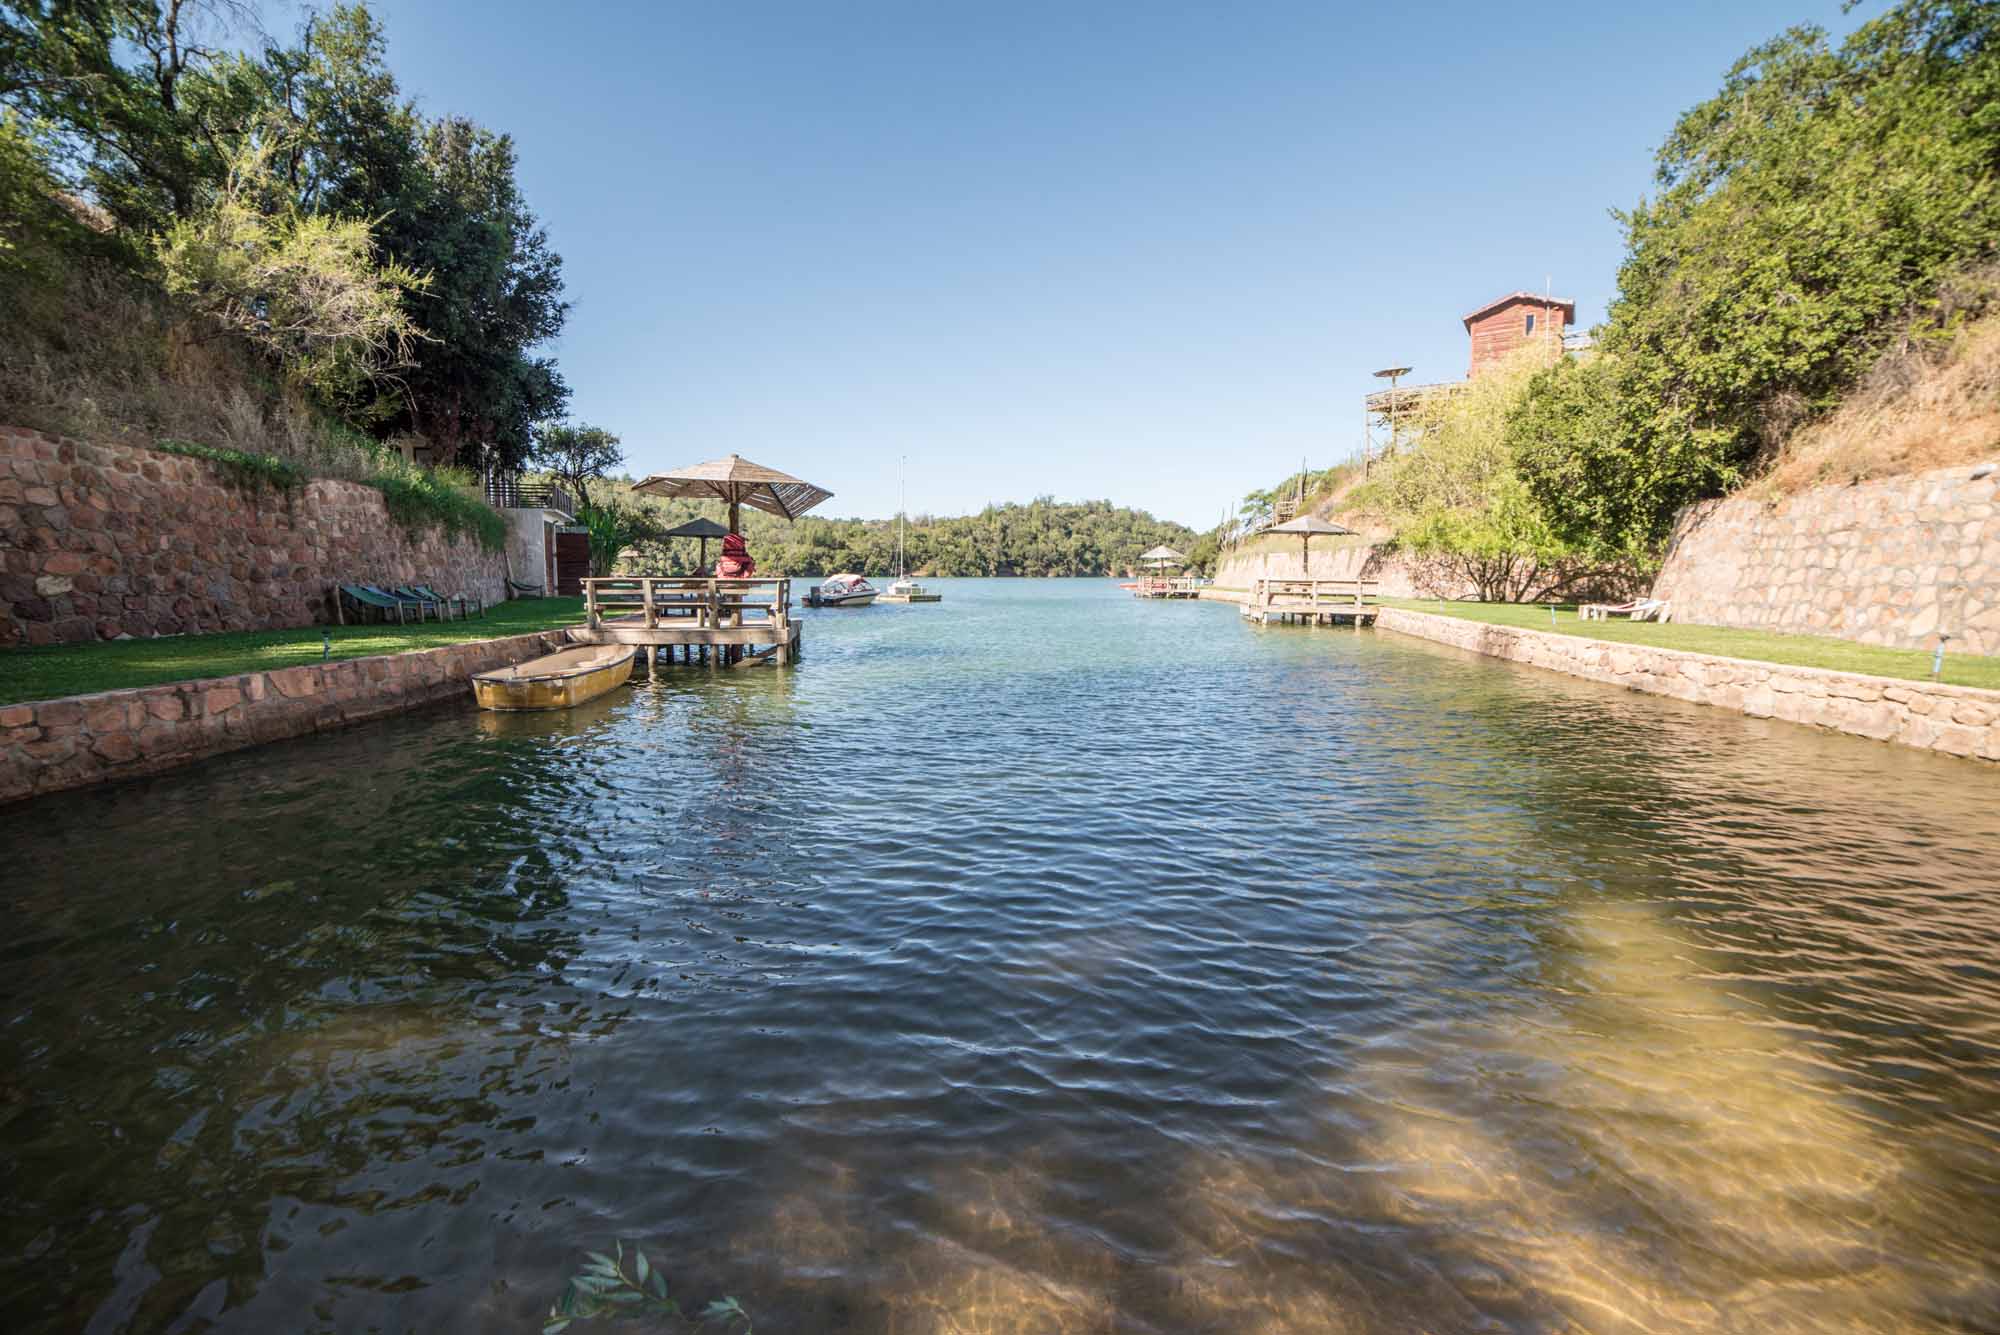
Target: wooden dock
1312,602
720,622
1177,586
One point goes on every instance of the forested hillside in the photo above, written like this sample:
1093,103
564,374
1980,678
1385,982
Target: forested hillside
1043,537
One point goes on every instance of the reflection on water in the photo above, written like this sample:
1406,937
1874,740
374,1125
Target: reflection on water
1041,961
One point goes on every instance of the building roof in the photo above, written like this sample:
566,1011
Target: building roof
1568,305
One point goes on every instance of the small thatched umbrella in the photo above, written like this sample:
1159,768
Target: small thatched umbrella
1161,557
1306,526
699,528
737,482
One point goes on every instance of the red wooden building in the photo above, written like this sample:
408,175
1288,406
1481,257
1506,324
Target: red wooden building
1506,323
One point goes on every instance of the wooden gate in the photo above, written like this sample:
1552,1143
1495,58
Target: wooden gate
572,563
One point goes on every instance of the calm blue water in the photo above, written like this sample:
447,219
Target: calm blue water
1037,961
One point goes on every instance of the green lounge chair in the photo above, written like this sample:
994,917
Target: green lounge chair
465,601
365,599
435,604
403,596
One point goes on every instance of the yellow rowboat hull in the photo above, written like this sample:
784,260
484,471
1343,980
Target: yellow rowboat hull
556,681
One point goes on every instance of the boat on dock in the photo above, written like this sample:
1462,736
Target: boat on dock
844,590
556,681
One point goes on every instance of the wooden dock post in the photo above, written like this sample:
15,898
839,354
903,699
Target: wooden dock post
721,623
1311,602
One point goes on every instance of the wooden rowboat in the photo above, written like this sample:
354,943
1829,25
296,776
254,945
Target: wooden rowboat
558,680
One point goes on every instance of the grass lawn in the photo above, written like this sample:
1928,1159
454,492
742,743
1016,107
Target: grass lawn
1817,651
76,669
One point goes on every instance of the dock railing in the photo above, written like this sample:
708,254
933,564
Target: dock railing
1306,595
707,602
1315,602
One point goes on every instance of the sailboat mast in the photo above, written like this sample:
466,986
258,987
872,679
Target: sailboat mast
903,481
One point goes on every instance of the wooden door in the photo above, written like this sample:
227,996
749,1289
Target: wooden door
572,563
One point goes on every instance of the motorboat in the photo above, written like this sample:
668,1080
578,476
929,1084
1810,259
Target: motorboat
556,681
843,590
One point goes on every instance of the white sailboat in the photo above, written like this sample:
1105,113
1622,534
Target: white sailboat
905,589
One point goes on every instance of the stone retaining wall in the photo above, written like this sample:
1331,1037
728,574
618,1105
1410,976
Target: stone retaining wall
1891,562
49,745
102,542
1957,720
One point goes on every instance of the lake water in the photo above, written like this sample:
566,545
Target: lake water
1037,961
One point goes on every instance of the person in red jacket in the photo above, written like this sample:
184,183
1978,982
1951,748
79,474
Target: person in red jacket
735,562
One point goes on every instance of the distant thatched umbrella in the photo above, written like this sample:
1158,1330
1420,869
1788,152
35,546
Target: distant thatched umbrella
699,528
1162,555
1306,526
737,482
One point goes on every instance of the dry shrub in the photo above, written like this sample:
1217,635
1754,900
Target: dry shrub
1923,405
102,355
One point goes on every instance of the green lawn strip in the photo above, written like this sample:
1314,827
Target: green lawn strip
1814,651
44,673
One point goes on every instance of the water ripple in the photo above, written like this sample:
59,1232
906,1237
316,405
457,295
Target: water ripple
1041,961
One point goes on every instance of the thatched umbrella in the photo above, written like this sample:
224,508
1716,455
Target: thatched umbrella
699,528
737,482
1161,557
1306,526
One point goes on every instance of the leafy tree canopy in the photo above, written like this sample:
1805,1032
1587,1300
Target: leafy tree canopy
1455,496
577,455
142,110
1810,214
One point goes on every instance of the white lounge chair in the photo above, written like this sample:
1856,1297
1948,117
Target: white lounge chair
1639,609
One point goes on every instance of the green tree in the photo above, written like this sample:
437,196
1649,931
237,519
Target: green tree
1810,215
615,526
447,204
577,455
144,101
495,296
303,287
1603,484
1458,503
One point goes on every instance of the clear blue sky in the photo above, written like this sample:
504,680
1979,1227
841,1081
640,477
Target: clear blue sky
1144,251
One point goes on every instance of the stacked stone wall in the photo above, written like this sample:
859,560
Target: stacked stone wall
50,745
101,542
1895,562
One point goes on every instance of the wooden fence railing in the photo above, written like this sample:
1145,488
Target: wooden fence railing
1313,592
709,602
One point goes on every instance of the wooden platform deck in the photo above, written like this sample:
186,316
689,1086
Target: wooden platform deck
721,622
1178,586
1311,602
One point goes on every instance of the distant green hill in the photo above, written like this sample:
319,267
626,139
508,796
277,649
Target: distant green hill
1043,537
